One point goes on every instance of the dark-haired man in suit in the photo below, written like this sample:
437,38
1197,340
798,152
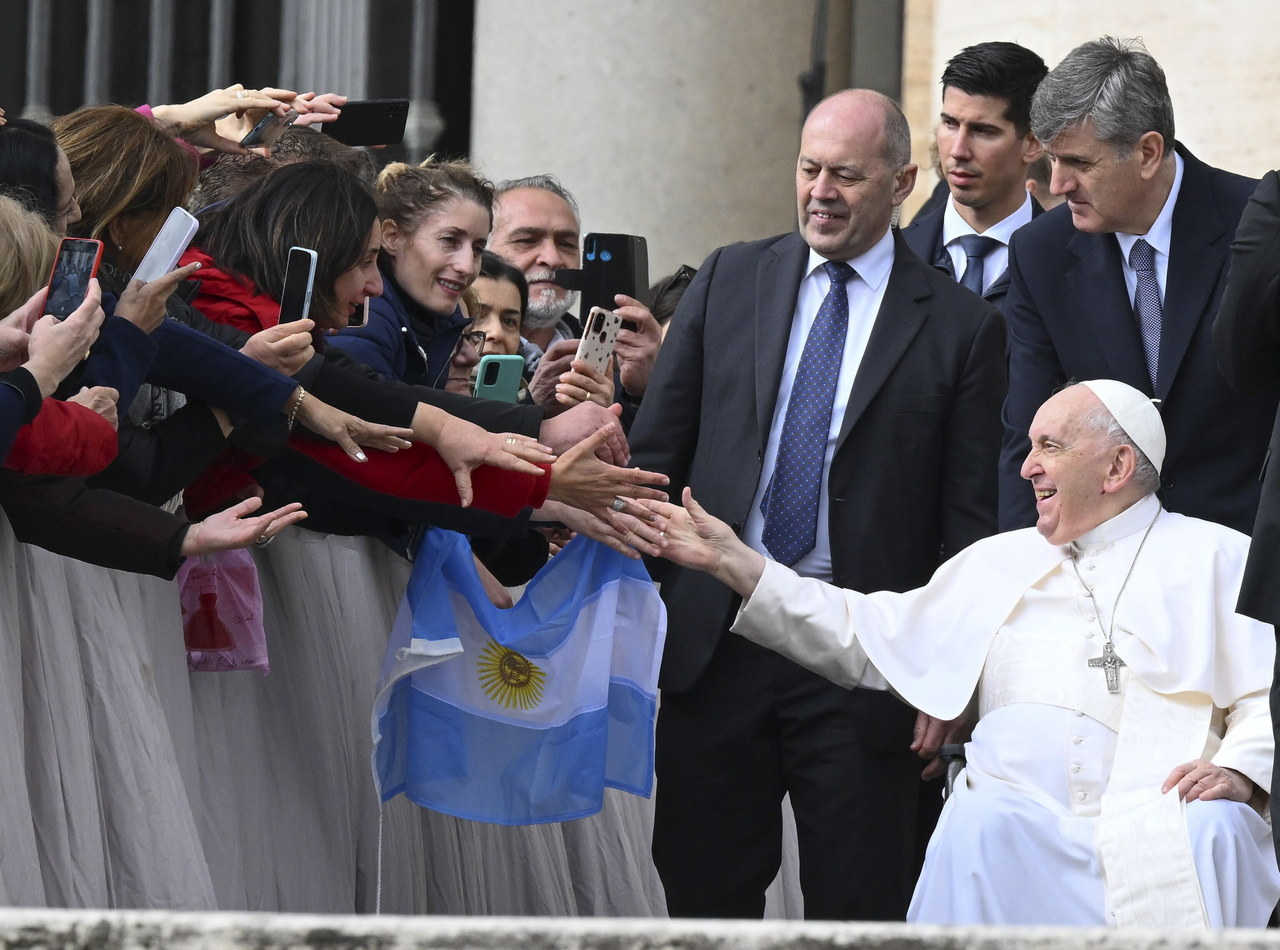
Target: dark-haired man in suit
1124,280
985,146
837,401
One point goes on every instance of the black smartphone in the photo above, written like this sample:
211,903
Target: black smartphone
269,128
611,264
76,264
369,122
299,276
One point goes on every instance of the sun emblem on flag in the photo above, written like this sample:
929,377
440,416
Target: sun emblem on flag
509,678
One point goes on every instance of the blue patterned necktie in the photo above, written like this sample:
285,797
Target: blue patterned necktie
790,504
1146,303
976,248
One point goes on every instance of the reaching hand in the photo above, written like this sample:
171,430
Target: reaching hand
565,430
930,735
464,446
350,432
319,108
580,479
197,121
285,347
232,528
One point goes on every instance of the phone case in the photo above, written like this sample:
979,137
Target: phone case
598,337
369,122
76,264
498,377
299,277
178,230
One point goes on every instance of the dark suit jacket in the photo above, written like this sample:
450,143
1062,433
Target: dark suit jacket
924,236
1070,317
1246,337
912,480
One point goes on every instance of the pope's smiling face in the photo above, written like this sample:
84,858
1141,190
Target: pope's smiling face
1068,466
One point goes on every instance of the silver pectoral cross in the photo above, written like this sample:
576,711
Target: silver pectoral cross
1110,664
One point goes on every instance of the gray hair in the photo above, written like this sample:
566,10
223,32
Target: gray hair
1101,420
543,183
1115,84
897,135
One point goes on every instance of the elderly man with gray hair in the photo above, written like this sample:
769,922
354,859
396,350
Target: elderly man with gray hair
1116,773
1124,280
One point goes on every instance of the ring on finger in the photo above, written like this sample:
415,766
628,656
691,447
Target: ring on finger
619,503
263,540
511,440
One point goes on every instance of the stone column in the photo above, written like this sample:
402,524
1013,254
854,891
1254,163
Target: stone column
674,120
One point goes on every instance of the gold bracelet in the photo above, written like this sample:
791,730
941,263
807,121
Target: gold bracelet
293,413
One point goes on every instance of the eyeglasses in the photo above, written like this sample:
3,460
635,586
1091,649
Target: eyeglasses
475,337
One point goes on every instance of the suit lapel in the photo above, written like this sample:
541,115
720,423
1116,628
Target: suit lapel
901,315
1197,254
778,277
1096,279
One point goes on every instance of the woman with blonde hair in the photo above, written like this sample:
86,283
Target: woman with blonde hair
435,221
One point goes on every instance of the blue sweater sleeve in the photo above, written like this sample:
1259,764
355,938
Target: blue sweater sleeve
204,369
19,402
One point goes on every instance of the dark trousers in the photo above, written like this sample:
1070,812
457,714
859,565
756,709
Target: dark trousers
755,727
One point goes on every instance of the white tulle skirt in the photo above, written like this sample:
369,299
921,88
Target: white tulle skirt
126,781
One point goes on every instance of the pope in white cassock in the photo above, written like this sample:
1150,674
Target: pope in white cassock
1116,772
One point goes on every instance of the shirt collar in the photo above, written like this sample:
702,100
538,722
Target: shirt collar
873,265
1133,519
954,226
1160,236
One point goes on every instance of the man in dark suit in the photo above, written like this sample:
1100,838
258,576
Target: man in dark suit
985,147
900,476
1246,337
1124,282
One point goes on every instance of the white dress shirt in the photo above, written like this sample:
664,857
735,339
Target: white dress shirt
866,292
996,262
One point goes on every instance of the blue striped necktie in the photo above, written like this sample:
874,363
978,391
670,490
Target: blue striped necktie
790,504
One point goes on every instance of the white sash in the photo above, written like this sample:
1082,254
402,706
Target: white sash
1142,835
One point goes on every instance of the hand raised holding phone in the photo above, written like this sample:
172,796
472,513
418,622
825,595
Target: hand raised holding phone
143,305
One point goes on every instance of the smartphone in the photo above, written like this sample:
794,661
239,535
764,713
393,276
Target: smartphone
178,230
611,264
369,122
299,275
598,337
76,264
359,316
498,377
269,128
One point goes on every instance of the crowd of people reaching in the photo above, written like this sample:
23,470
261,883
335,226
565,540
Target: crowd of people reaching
863,441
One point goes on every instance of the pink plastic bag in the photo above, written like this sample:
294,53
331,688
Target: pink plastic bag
222,612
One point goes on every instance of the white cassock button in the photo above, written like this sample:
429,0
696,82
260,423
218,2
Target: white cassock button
1077,739
1081,796
1079,715
1076,766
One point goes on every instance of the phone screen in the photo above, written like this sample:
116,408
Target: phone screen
77,262
295,299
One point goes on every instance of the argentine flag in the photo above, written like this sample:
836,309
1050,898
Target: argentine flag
534,710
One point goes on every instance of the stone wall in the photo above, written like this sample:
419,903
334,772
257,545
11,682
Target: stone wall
149,930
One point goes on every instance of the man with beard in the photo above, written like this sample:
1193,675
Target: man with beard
536,227
985,146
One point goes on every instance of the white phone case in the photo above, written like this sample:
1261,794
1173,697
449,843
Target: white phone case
598,337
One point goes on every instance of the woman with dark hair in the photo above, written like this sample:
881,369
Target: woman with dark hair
502,297
28,151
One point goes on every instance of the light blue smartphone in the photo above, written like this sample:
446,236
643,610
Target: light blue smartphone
498,377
